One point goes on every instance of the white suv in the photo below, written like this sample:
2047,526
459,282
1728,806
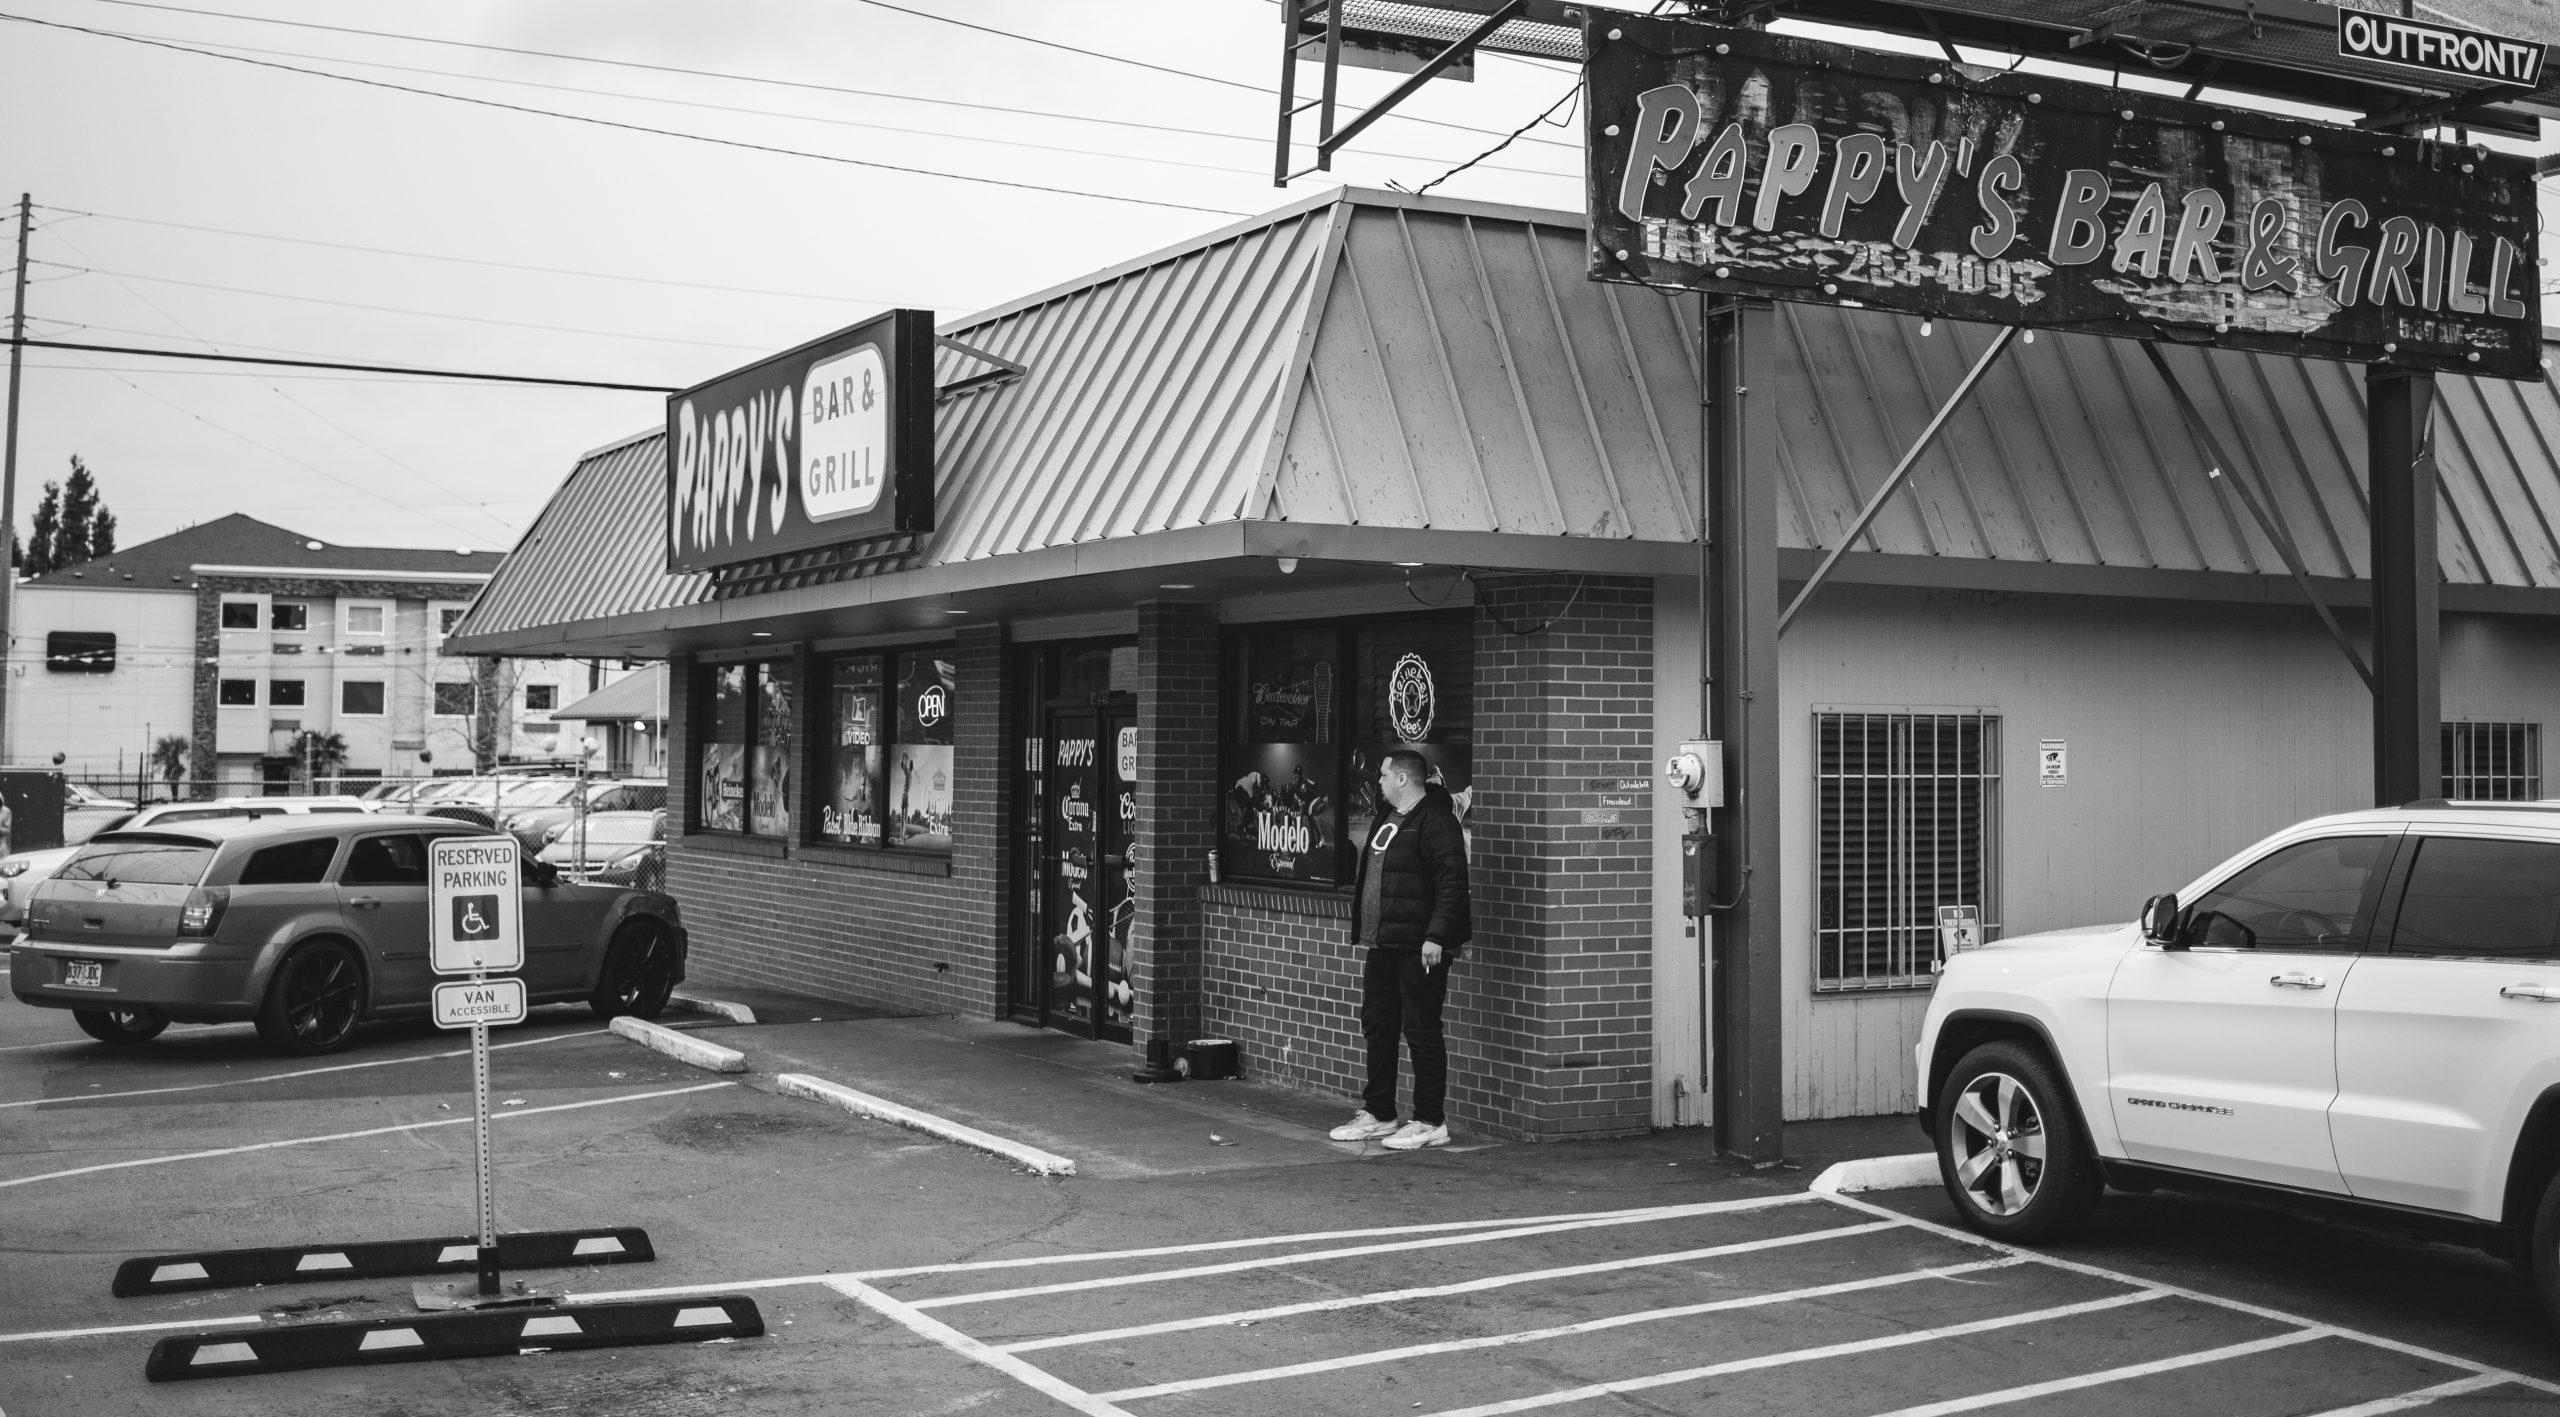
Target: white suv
2359,1016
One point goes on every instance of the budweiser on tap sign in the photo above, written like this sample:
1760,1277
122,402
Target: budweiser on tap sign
1757,164
827,444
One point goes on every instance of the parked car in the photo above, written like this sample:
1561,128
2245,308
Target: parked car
483,801
2355,1017
308,925
77,796
20,874
533,825
622,848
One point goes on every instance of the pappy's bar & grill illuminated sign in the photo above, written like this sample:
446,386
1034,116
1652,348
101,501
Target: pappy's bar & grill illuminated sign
1760,164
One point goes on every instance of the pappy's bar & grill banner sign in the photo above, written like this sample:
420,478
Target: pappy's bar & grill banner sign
826,444
1757,164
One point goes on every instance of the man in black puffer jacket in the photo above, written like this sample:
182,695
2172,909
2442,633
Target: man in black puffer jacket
1409,911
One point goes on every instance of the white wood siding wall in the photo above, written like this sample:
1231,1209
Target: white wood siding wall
2193,729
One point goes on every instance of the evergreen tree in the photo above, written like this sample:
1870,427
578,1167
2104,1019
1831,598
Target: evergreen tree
79,513
102,534
40,558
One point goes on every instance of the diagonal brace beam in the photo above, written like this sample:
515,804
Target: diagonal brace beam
1901,471
1464,46
2249,498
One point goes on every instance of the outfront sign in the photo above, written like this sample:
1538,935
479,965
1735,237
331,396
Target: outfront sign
2440,49
1757,164
475,905
827,444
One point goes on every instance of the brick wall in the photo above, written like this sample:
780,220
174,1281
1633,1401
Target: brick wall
1177,803
838,923
1550,1014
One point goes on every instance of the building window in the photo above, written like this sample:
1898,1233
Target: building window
891,740
239,614
2492,762
746,779
1909,820
239,693
284,693
366,618
457,700
1311,710
360,698
448,616
80,652
541,698
289,616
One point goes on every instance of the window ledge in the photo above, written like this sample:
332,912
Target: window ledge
1323,904
732,845
903,863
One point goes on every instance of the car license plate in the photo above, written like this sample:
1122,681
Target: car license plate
84,973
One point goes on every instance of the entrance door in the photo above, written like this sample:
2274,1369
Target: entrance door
1089,800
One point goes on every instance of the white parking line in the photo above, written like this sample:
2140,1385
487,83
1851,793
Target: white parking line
2235,1305
1537,1335
952,1338
350,1136
1313,1256
1436,1291
281,1077
2129,1371
1803,1355
2421,1398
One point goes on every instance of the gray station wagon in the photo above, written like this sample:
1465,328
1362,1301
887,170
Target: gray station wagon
307,926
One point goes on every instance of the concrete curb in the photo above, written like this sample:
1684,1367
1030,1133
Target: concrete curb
695,1003
863,1104
1878,1173
683,1047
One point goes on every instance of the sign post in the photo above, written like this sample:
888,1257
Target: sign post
475,906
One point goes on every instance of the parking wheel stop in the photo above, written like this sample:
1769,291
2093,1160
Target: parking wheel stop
485,1333
380,1259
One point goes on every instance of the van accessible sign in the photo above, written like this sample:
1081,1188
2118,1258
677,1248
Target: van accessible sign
826,444
1757,164
2440,49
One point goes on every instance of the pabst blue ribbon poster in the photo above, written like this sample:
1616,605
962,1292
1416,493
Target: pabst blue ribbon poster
1757,164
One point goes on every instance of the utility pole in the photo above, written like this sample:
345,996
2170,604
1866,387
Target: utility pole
9,467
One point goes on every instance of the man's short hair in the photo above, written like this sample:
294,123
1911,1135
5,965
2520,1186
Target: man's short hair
1410,763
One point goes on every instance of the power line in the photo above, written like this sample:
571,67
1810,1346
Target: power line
609,122
402,310
1560,102
792,83
412,371
473,260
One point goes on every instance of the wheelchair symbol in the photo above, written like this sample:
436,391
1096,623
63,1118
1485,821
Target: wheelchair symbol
475,917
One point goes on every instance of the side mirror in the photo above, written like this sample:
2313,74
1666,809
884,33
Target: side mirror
2160,922
538,872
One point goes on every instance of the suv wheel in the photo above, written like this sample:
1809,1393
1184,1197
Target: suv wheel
2009,1149
315,1000
639,973
120,1027
2543,1261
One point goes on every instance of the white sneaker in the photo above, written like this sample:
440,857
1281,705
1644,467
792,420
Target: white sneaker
1414,1136
1363,1127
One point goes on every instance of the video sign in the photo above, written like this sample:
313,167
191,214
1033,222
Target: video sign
1757,164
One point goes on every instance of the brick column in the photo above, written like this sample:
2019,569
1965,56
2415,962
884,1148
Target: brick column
1554,1012
1177,823
986,743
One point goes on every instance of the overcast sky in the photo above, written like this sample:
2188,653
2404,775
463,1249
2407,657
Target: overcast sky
428,231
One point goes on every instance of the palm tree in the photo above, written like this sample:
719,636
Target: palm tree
320,754
169,756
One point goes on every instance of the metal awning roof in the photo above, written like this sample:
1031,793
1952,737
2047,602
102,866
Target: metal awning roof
637,696
1365,378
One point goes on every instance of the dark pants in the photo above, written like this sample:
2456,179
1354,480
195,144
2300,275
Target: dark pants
1398,997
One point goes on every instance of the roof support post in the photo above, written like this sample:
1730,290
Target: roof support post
1464,46
2223,467
1901,471
1742,659
2408,703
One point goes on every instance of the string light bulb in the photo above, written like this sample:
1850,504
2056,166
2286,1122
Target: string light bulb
1924,327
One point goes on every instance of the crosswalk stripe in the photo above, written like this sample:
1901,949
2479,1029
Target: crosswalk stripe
2129,1371
2381,1406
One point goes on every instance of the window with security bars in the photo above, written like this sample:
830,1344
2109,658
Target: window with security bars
1909,822
2492,762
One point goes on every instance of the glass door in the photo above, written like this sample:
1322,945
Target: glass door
1088,815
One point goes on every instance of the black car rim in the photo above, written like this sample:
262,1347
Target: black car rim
644,970
1997,1142
320,996
130,1020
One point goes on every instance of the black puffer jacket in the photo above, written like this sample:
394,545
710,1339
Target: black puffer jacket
1422,891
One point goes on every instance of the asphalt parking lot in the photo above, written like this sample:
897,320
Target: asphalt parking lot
901,1275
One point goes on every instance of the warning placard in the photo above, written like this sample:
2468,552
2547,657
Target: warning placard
474,905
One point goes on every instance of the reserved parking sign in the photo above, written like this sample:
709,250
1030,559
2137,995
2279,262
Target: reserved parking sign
475,905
